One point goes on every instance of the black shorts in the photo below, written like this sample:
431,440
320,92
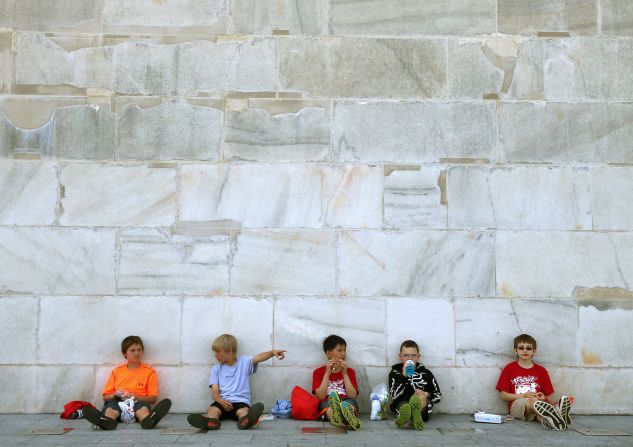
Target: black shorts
230,414
114,404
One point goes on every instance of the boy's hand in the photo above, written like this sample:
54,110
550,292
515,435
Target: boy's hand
343,366
540,396
226,404
279,353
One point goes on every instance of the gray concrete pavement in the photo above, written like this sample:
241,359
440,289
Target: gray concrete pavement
442,430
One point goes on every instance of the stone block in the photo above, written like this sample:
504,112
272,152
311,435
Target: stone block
425,263
412,18
54,386
271,383
186,386
485,329
29,193
413,197
429,322
18,327
566,132
50,15
205,318
177,261
117,195
266,16
170,131
530,198
413,132
465,389
286,195
67,332
57,260
612,192
23,396
301,325
617,17
552,264
255,134
393,68
265,263
146,67
579,17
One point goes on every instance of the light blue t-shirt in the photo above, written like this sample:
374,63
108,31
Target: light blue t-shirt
233,380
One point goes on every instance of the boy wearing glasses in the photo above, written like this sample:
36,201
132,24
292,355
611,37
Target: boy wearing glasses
412,396
527,388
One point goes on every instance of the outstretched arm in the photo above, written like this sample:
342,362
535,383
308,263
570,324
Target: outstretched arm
263,356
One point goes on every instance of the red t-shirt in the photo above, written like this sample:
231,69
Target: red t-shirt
335,381
515,379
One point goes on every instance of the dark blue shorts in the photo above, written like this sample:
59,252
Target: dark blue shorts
230,414
114,404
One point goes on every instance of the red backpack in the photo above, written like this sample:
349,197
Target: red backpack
305,405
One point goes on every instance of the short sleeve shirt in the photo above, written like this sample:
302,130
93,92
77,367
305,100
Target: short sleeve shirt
142,381
515,379
335,382
233,380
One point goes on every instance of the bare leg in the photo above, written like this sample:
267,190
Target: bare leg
112,413
141,414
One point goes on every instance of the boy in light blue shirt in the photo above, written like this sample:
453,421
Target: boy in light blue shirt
230,386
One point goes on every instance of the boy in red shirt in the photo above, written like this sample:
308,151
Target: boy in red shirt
527,388
335,385
131,379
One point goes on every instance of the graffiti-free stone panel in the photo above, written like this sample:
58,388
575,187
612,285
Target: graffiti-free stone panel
406,263
18,315
169,13
417,17
149,68
266,263
412,132
612,193
601,327
474,69
364,67
552,264
266,195
566,132
301,324
21,381
29,193
176,261
617,17
465,388
547,198
117,195
53,385
266,16
57,260
170,131
254,134
579,17
49,15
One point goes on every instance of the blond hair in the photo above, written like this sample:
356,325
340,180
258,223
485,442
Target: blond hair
226,343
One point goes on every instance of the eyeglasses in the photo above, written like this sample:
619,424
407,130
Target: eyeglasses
410,356
524,348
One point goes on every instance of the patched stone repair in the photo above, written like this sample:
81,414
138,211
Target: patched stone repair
604,298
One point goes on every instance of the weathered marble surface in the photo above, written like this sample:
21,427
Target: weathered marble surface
531,198
552,264
617,17
466,389
29,193
266,262
566,132
612,193
426,263
301,325
177,261
413,198
49,15
418,17
18,315
363,67
57,260
282,195
477,67
149,68
170,131
266,16
255,134
412,132
117,195
579,17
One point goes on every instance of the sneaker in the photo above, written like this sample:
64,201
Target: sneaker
335,404
202,422
416,412
404,415
550,417
349,416
564,405
97,419
158,412
252,418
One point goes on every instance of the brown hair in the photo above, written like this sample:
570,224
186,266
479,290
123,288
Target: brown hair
226,343
409,344
524,338
129,341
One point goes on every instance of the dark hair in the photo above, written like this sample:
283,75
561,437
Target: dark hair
409,344
524,338
331,341
129,341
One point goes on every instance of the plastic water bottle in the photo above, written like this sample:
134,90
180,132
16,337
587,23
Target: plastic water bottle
409,368
376,409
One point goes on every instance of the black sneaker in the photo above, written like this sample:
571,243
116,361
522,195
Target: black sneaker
252,418
97,419
550,417
158,412
202,422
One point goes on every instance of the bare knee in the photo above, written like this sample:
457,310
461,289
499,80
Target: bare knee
112,413
213,412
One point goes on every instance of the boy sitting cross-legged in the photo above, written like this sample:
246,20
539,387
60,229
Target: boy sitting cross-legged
527,388
230,386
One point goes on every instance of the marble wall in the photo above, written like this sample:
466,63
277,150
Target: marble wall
452,171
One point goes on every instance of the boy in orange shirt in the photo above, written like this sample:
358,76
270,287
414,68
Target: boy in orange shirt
131,379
